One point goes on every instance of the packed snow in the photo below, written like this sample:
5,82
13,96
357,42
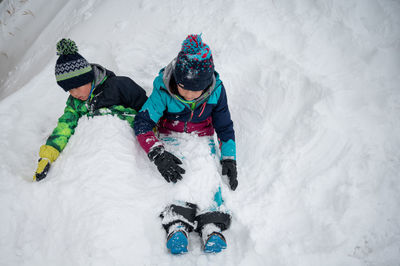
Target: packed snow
313,89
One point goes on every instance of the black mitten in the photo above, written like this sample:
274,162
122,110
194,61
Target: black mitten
229,169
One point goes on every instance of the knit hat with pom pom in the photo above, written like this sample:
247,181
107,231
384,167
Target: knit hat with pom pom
194,68
72,70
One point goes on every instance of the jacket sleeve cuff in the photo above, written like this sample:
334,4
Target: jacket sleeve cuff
148,141
228,150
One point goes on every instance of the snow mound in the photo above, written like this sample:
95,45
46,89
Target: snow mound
314,95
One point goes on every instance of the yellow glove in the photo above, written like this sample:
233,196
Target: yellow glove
48,154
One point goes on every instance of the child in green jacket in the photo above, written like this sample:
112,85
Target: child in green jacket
93,90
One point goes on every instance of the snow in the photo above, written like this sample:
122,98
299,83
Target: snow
199,164
313,89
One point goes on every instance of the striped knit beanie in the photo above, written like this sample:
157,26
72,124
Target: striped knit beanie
72,70
194,68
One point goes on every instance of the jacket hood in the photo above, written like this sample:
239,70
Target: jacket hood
100,73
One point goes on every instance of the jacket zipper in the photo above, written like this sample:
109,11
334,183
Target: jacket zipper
90,102
192,107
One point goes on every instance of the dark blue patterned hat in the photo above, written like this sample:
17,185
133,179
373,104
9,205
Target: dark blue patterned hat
194,68
72,70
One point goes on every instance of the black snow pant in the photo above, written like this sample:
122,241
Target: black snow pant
187,214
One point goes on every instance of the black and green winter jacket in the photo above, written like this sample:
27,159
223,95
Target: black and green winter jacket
115,95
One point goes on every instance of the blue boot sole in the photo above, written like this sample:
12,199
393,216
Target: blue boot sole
178,243
215,244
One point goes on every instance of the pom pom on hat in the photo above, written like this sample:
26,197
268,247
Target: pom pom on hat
72,70
194,68
194,47
66,46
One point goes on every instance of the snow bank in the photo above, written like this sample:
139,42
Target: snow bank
313,91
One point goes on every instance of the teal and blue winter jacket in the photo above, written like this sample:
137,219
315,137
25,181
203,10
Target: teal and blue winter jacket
166,109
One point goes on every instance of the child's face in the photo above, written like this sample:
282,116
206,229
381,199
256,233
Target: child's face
82,92
189,95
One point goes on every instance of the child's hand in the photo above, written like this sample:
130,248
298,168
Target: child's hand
229,169
42,169
167,164
48,155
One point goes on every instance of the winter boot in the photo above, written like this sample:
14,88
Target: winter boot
177,239
214,241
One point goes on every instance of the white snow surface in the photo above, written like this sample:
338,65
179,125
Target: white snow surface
313,89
